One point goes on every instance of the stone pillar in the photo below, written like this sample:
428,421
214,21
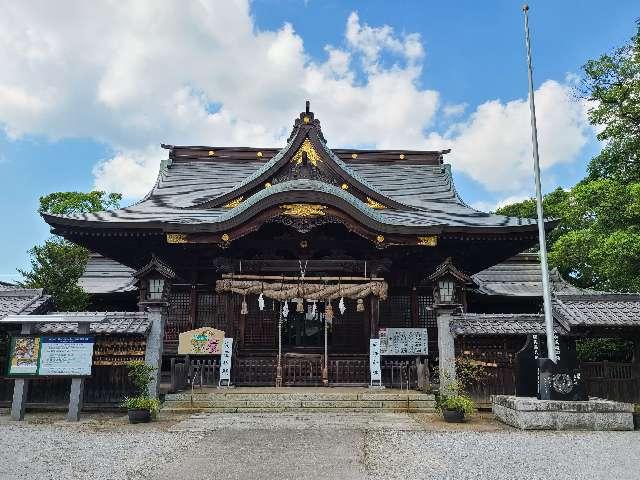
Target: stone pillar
76,393
20,388
446,347
155,343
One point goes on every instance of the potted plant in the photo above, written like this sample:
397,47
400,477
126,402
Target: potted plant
140,407
455,407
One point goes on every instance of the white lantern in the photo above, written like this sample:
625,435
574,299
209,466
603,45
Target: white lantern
156,288
446,290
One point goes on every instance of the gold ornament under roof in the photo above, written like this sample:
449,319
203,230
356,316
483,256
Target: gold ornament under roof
306,119
344,186
177,238
303,210
225,237
354,155
234,203
259,154
380,238
428,241
267,185
211,153
402,156
375,205
312,155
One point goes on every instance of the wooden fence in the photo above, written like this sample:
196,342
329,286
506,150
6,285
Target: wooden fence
296,371
614,381
108,385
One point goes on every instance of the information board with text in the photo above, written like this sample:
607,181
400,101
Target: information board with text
404,341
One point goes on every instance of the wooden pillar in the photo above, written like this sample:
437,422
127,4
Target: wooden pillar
374,316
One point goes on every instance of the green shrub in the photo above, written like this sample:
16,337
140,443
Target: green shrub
140,375
142,403
459,403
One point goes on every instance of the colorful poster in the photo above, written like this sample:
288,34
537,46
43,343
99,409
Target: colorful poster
201,341
24,356
404,341
68,356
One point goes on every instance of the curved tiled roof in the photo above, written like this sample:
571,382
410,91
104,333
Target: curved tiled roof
23,301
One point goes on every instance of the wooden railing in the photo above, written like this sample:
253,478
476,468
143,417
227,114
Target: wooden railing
296,371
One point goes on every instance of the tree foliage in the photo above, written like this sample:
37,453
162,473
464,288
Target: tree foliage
597,241
611,84
57,264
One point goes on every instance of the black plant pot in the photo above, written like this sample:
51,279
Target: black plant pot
636,421
137,415
453,416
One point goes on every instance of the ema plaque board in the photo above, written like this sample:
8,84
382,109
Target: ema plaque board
201,341
403,341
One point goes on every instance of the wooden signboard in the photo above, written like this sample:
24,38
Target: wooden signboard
403,341
51,356
374,362
201,341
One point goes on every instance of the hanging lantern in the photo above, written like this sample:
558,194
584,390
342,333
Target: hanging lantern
341,306
261,302
285,309
244,309
328,312
360,305
300,306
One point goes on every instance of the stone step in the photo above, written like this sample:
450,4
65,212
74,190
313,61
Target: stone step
242,401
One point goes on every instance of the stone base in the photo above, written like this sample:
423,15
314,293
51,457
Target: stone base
529,413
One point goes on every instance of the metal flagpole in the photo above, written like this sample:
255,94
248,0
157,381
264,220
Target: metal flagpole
546,292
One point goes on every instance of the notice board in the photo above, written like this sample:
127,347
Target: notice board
51,356
403,341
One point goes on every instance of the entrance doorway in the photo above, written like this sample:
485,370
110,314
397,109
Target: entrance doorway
304,331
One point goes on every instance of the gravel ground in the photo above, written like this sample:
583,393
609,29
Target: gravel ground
301,446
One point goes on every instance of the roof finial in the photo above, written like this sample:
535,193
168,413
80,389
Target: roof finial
308,106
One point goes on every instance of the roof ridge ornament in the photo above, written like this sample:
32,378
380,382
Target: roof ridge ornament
307,121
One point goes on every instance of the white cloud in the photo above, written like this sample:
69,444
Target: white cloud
178,72
493,145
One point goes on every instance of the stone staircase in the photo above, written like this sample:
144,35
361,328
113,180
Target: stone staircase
293,399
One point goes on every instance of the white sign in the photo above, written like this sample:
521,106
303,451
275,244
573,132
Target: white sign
374,361
70,356
225,362
403,341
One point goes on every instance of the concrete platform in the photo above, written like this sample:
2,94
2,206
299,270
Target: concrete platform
303,399
527,413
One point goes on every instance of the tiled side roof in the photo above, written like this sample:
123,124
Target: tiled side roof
20,301
115,323
603,310
103,275
521,276
499,324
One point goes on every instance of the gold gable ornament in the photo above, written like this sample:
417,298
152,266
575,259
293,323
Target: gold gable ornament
234,203
312,155
303,210
375,205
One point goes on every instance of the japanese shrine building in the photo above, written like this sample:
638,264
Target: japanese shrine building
305,225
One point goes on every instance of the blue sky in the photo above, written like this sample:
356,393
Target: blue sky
88,91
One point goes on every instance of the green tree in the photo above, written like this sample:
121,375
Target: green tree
57,264
611,84
597,241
